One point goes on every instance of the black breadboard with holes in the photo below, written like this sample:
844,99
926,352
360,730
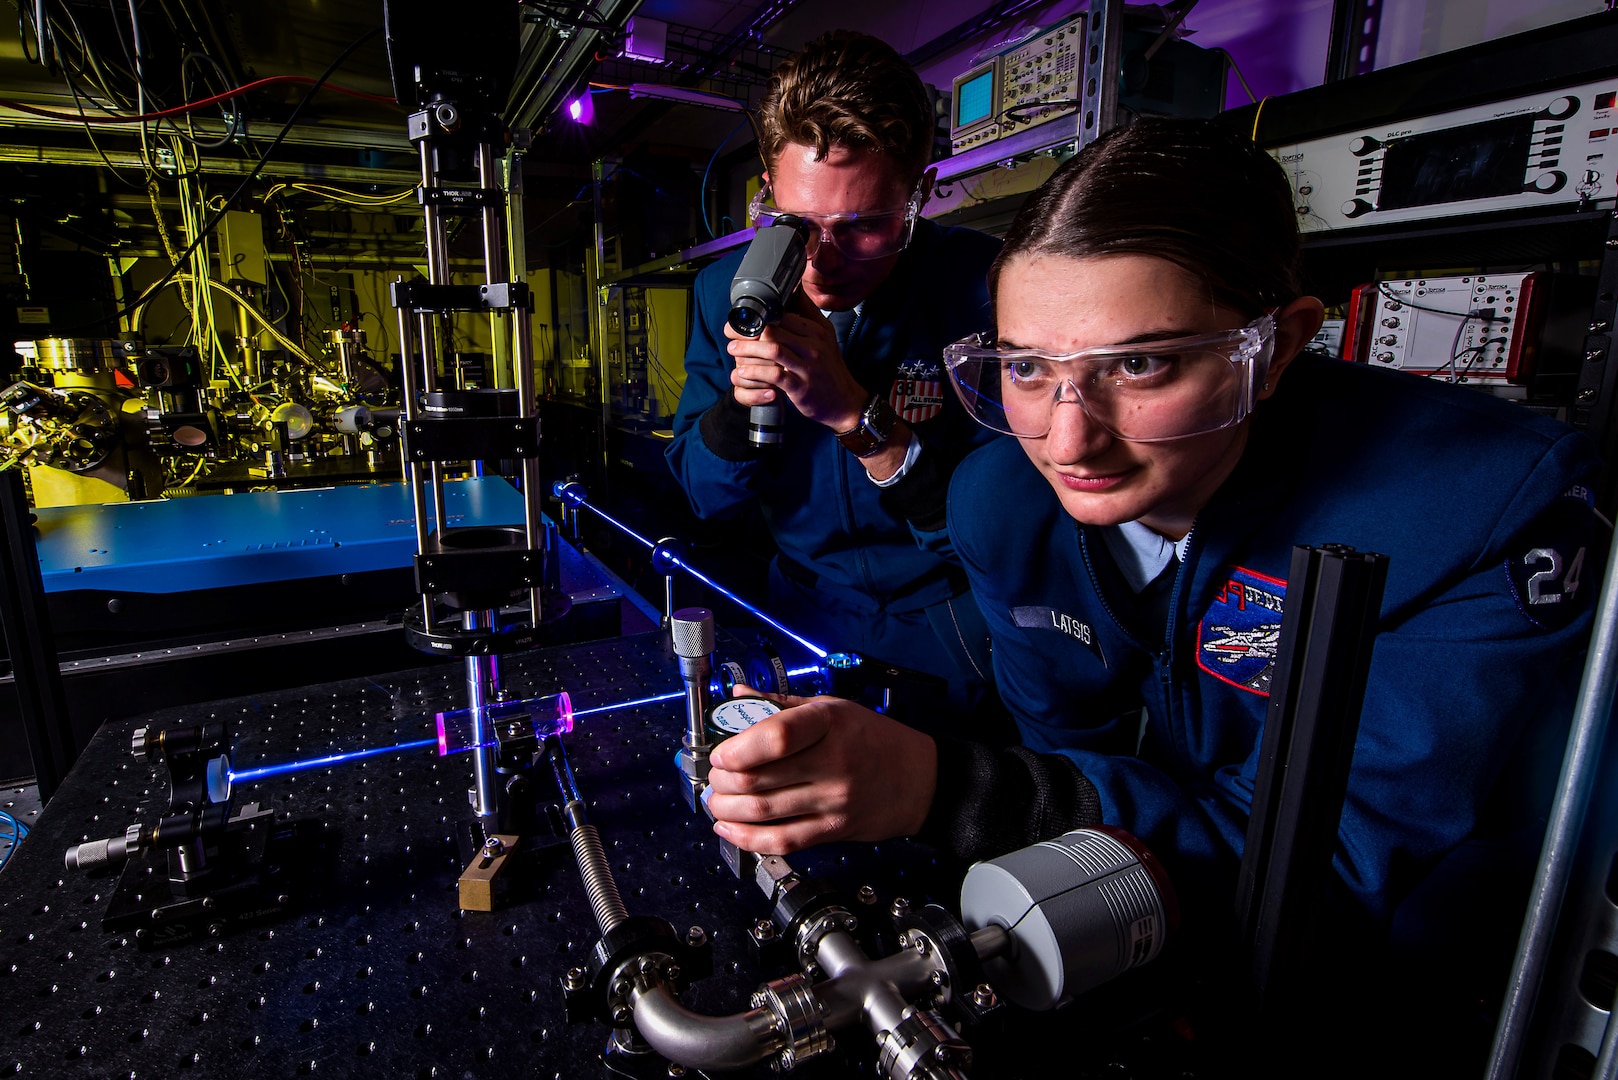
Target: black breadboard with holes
371,968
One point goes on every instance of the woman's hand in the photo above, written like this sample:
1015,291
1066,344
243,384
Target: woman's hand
823,769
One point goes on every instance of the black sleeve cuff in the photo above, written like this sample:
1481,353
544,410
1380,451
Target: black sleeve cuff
922,494
724,430
989,802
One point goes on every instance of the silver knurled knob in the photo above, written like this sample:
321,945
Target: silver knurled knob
693,632
137,745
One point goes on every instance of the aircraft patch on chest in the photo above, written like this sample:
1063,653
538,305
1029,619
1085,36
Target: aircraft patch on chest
918,390
1239,636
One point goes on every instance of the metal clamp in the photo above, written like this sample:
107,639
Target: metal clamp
791,1001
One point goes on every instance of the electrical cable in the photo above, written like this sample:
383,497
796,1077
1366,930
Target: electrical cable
1476,351
746,120
1256,114
19,832
181,110
340,195
89,133
251,176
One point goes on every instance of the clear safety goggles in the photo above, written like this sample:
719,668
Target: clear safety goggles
860,236
1151,392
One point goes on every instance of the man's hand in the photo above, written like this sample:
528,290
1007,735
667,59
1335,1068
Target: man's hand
823,769
798,357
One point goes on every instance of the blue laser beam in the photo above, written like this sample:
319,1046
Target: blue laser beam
264,772
620,526
712,584
670,696
575,499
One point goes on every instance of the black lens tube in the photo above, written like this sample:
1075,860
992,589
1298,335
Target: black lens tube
759,293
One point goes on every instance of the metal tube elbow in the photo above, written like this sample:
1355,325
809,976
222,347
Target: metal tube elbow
703,1042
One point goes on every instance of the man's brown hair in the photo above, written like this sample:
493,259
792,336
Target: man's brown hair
848,89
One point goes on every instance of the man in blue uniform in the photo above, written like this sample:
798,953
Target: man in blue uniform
846,135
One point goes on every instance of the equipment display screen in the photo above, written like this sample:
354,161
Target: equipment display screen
1475,161
974,99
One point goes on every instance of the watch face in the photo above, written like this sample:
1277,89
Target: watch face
738,714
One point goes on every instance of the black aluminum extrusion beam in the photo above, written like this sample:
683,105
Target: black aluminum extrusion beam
1334,596
32,647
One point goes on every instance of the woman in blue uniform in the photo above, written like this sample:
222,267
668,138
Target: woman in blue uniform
1130,549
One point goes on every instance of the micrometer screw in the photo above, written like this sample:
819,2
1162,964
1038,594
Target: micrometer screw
983,996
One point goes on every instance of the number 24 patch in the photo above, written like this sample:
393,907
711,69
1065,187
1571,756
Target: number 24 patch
1549,574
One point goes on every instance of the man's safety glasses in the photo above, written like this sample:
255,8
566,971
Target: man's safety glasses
1150,392
861,236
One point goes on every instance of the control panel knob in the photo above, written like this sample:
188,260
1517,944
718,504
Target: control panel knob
1549,181
1387,339
1386,358
1562,108
1391,323
1353,208
1360,145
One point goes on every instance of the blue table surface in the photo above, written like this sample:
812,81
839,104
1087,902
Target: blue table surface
216,541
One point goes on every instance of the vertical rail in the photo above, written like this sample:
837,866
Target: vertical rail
1104,44
1334,600
412,473
1580,764
493,221
482,680
531,483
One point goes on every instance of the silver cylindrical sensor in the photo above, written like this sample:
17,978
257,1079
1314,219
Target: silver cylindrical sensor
1081,910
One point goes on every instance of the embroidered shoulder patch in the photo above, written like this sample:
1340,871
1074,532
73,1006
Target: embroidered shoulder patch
1552,568
1033,617
1239,636
918,390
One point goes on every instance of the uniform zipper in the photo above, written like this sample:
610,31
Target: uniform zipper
844,476
1163,655
1165,659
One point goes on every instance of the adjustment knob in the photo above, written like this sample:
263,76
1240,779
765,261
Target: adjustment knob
137,745
1353,208
692,631
1549,181
1562,108
1360,145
